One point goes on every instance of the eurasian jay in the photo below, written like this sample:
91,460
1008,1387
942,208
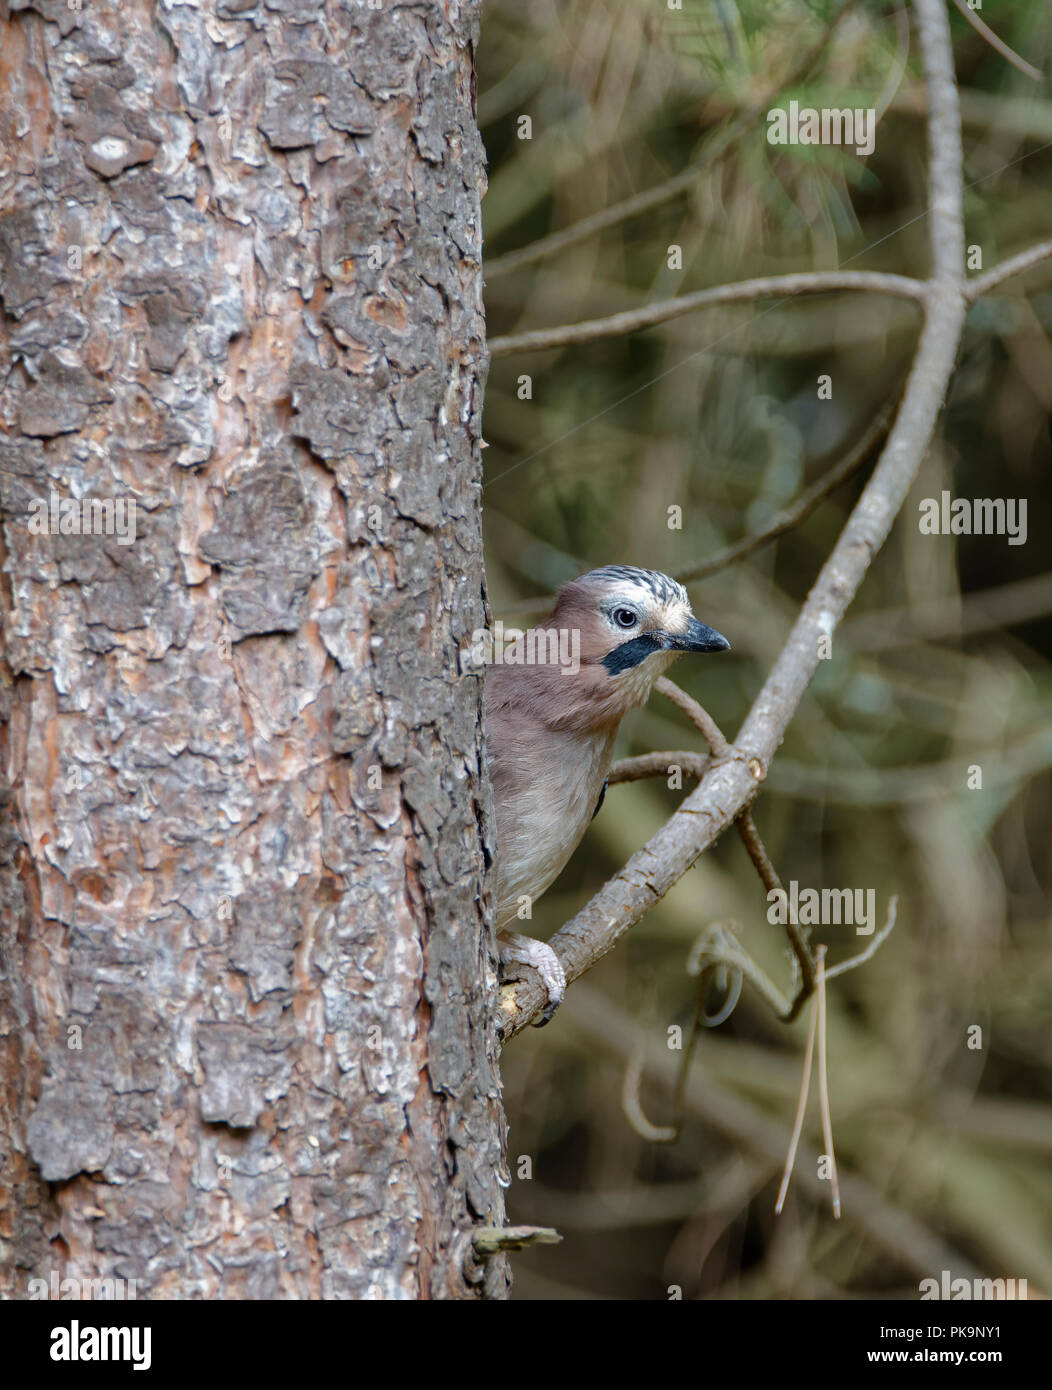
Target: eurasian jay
550,729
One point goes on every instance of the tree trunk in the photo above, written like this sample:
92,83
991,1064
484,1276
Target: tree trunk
247,1046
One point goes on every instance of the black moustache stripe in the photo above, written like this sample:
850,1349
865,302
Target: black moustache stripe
630,654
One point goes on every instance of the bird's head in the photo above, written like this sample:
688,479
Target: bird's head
633,623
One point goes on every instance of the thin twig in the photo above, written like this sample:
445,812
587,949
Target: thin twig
699,963
873,947
709,954
699,717
700,1020
1009,54
633,1106
1015,265
717,946
758,853
679,1095
750,837
658,765
801,1110
729,979
492,1240
823,1081
763,287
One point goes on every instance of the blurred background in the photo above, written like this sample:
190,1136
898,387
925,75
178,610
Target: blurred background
941,666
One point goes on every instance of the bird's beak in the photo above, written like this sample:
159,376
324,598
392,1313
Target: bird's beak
698,638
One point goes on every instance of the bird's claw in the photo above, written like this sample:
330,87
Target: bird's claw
527,950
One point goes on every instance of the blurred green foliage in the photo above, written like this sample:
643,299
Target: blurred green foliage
717,413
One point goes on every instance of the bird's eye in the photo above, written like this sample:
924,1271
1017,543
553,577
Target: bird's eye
624,617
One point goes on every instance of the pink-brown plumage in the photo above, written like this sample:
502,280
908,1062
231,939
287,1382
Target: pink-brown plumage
550,729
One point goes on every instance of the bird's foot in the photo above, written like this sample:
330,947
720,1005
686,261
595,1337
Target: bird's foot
527,950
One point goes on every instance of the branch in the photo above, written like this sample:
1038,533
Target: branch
698,716
764,287
657,765
990,279
874,946
750,837
493,1240
731,783
717,947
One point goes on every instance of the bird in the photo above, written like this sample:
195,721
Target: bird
553,702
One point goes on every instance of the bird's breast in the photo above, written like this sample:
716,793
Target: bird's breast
545,796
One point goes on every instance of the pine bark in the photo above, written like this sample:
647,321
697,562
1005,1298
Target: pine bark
247,1043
